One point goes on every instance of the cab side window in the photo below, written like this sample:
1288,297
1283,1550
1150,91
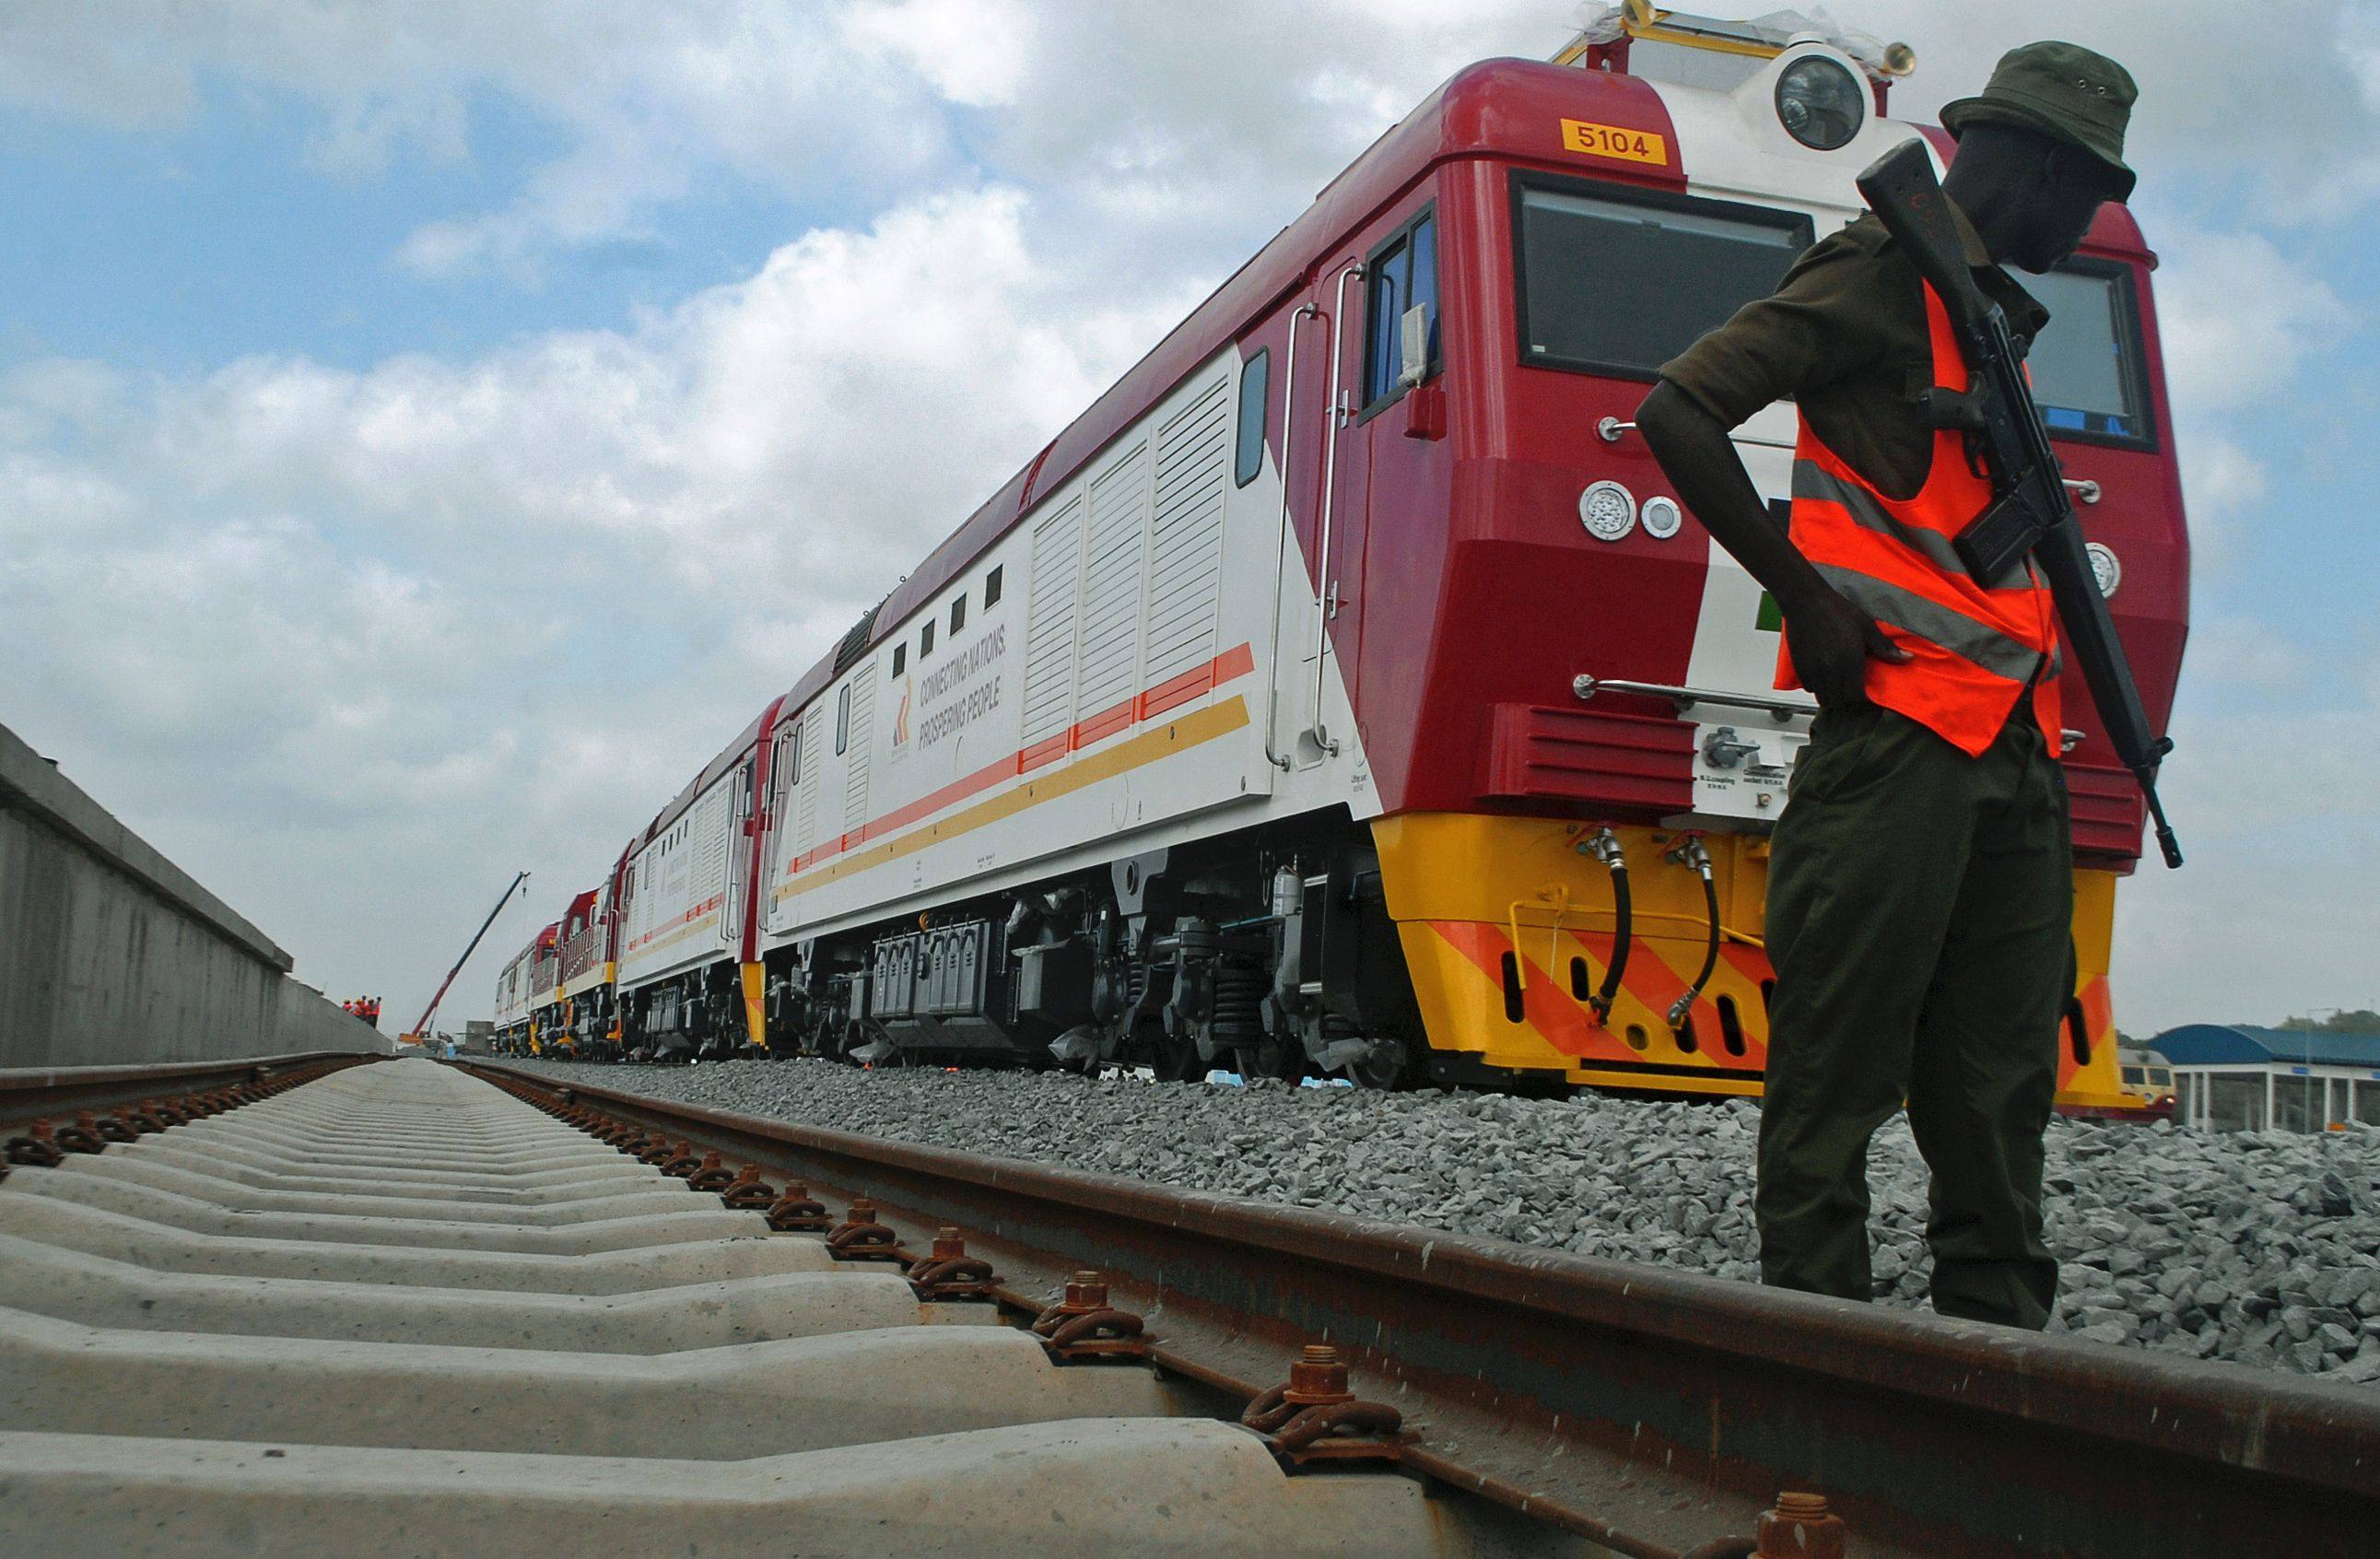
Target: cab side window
1255,382
1401,274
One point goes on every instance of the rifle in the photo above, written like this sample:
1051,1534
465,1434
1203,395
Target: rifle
2030,514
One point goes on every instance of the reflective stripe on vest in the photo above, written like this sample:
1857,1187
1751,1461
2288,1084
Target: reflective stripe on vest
1973,650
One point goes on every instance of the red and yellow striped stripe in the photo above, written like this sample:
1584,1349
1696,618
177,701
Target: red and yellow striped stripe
1469,891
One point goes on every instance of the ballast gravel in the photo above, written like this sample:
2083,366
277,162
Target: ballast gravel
2259,1247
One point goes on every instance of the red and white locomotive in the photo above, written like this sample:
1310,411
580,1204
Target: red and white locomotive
1344,691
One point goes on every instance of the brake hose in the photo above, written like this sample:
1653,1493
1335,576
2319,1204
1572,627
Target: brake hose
1605,847
1689,852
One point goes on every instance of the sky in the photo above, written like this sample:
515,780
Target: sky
428,432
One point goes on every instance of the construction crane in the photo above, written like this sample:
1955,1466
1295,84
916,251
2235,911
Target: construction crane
421,1030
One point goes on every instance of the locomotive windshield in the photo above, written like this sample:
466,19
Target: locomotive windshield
1620,282
2086,363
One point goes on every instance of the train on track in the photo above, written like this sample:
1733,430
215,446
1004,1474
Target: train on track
1346,691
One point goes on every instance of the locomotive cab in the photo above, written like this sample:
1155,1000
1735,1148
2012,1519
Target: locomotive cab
1600,684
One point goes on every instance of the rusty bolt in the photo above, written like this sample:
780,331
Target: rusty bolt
949,1272
747,1192
37,1147
1801,1527
1315,1415
1084,1325
83,1137
860,1237
796,1212
1319,1376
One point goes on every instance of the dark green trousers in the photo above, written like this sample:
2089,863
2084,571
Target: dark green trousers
1919,919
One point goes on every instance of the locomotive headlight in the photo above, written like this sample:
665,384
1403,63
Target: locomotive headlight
1819,102
1661,518
1608,510
2105,567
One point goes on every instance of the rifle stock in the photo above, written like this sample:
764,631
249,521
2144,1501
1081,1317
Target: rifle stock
1900,186
2032,515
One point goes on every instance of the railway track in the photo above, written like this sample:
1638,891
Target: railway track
393,1309
406,1308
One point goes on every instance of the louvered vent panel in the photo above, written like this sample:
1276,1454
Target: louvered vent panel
710,827
1185,549
854,772
805,806
1108,661
1050,623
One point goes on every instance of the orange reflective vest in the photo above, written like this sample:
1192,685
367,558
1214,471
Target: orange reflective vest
1972,651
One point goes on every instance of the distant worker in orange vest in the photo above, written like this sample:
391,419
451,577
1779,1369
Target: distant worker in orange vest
1920,879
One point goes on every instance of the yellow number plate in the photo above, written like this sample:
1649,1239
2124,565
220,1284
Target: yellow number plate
1611,140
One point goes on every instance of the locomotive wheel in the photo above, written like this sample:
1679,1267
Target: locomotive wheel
1175,1061
1277,1059
1387,1065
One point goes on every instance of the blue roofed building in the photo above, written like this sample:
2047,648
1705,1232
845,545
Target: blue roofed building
2234,1077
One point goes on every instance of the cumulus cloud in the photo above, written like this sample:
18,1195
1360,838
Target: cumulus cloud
2238,317
2277,904
1115,105
461,614
973,52
640,95
2238,321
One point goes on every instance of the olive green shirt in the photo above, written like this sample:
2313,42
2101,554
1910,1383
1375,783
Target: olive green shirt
1844,335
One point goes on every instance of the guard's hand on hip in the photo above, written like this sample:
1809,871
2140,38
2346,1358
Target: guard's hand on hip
1832,643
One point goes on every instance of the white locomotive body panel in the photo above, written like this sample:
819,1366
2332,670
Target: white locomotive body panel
512,992
1112,694
676,901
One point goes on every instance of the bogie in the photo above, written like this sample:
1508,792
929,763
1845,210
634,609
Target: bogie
1207,961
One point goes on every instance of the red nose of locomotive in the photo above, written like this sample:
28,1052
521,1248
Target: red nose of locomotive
1587,682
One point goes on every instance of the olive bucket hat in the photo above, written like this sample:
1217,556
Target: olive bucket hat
2059,90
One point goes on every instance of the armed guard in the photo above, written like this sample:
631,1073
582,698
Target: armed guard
1921,885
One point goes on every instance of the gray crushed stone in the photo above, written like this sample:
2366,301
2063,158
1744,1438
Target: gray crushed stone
2258,1248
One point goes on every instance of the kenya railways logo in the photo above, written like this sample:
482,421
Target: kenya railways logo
901,715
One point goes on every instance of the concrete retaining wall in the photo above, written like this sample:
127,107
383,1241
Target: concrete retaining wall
310,1020
111,954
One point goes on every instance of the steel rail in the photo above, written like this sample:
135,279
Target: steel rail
29,1093
1654,1410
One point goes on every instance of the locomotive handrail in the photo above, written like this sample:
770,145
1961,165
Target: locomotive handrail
1280,550
1610,428
1325,590
1779,709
